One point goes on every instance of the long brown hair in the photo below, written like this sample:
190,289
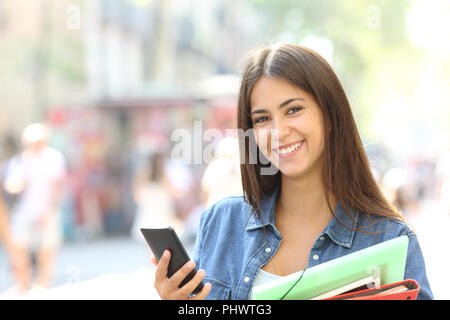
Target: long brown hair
346,171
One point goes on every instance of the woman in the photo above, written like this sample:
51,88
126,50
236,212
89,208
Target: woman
322,201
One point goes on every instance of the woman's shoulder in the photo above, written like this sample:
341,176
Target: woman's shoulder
231,209
232,205
373,229
387,226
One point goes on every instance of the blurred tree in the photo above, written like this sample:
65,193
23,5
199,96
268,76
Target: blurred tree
370,44
42,61
180,42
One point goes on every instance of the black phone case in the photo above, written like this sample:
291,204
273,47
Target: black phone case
166,238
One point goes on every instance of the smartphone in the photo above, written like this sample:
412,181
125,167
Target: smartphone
166,238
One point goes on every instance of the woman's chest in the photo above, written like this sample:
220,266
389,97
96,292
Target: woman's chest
294,250
291,256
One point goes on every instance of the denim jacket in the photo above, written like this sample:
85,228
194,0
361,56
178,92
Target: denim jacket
232,244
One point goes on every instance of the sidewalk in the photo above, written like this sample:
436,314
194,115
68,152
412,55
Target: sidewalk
432,227
118,268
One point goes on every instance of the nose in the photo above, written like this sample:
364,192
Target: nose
282,129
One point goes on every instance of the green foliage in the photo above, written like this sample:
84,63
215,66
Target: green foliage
67,59
368,37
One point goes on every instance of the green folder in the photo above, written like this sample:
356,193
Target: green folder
385,260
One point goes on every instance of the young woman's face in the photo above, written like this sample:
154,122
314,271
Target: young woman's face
279,108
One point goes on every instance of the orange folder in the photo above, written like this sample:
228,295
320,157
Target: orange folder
403,290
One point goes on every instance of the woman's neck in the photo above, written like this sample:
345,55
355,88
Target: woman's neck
304,199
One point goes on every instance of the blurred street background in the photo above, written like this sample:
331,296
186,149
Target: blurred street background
114,80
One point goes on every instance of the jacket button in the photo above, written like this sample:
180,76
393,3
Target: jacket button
246,279
315,257
268,250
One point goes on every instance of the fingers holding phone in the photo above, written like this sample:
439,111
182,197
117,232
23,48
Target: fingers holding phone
154,261
175,275
169,288
205,290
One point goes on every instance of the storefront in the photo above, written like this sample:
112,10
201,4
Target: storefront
106,143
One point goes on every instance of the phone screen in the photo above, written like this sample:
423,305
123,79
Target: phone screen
166,238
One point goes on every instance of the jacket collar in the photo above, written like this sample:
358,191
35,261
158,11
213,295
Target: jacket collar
267,217
340,229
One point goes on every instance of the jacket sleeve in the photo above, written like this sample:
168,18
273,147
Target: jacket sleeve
415,267
201,232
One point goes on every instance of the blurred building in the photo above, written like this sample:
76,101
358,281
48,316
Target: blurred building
75,53
136,48
114,78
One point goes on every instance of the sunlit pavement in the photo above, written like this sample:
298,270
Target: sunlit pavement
137,286
103,269
433,227
120,268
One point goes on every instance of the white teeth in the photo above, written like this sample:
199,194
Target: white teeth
290,149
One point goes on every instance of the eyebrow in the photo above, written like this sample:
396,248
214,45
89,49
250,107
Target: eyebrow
283,104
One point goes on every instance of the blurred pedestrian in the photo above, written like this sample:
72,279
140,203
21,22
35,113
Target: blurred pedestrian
182,187
5,236
38,174
222,176
393,182
154,203
443,174
221,179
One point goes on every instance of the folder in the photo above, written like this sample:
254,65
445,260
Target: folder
362,284
385,262
402,290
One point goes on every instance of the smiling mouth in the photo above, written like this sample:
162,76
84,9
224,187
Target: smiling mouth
287,149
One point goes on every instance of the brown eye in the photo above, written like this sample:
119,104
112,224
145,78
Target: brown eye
260,119
294,110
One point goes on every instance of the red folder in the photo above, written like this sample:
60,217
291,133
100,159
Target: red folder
403,290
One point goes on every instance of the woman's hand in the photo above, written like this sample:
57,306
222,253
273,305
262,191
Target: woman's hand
168,287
